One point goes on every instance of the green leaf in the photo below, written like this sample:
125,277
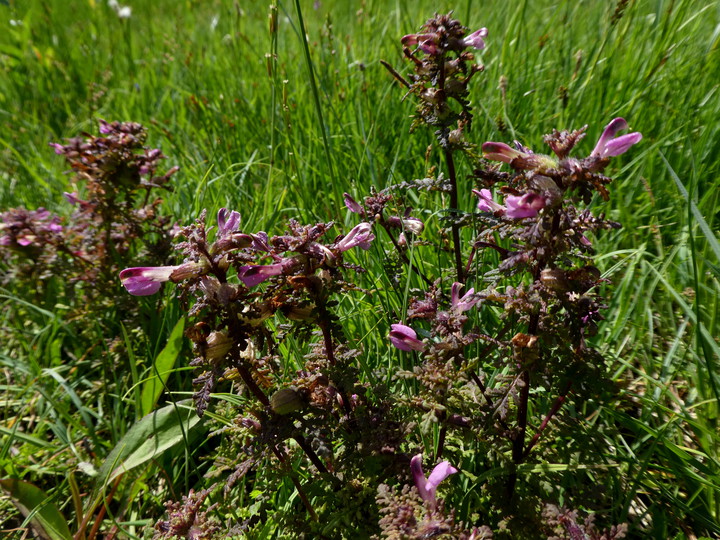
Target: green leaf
150,437
44,517
162,367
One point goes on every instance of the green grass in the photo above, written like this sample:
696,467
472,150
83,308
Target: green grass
245,129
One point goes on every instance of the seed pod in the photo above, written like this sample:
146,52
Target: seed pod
218,345
555,279
286,400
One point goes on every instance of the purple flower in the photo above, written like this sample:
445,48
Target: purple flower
228,221
254,275
475,39
404,338
59,148
427,43
73,199
260,242
27,227
609,145
464,302
486,202
145,280
497,151
105,127
524,206
360,236
428,486
352,204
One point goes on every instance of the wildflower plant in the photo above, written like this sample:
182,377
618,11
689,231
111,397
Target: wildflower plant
115,215
489,390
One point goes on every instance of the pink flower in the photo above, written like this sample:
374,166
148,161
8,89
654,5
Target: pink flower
486,202
518,159
464,302
404,338
609,145
428,487
497,151
73,199
427,43
524,206
352,204
145,280
59,148
360,236
475,39
254,275
228,221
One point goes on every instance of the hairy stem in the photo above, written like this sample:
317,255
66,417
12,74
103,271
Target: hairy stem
455,228
559,401
329,348
296,482
312,456
441,442
250,383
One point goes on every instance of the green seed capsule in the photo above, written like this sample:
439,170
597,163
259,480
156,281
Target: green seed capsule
286,400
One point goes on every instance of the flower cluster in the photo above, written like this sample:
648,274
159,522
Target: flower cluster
113,214
443,67
544,283
28,229
204,259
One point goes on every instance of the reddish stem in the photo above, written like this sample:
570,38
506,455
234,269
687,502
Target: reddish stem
559,401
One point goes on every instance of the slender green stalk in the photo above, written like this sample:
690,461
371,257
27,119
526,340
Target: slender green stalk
318,106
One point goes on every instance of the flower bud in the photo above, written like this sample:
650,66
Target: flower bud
352,204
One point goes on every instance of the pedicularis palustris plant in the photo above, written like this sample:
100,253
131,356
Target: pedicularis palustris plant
498,399
116,215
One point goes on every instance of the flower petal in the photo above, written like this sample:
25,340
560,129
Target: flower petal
441,471
620,145
609,145
419,477
254,275
496,151
228,221
145,280
475,39
404,338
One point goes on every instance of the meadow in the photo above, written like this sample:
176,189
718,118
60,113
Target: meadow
275,110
